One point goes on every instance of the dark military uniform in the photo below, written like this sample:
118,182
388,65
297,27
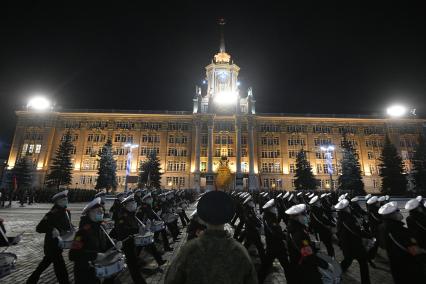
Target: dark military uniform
251,233
416,223
276,246
374,220
59,218
322,226
126,226
405,266
350,236
214,257
88,242
115,209
147,213
303,261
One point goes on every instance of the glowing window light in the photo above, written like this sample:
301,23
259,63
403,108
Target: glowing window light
226,98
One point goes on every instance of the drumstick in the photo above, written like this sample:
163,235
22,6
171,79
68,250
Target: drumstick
109,238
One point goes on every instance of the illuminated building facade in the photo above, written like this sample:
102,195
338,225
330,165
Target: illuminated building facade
261,148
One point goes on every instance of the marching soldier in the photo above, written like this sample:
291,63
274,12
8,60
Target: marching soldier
56,222
303,261
401,247
252,225
350,237
147,213
321,224
416,221
116,206
374,221
276,246
102,195
127,226
90,243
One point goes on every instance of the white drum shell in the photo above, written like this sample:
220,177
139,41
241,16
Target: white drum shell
144,240
7,263
106,270
157,226
66,240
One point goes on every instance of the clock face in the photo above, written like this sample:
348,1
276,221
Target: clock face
222,76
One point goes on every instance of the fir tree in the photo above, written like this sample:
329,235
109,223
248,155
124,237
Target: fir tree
149,172
419,166
23,173
304,178
392,170
61,168
107,177
351,178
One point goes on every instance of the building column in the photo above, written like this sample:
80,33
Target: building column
210,175
197,157
252,177
238,174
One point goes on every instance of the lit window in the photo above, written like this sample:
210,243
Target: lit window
37,148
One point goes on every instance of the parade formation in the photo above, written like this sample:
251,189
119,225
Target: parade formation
290,226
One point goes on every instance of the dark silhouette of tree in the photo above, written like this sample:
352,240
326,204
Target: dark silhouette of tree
150,172
61,169
304,178
394,181
350,179
107,177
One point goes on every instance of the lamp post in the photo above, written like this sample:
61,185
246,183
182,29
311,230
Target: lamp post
329,159
128,162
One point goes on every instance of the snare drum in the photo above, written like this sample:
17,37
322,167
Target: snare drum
144,240
157,226
65,241
170,218
7,263
109,266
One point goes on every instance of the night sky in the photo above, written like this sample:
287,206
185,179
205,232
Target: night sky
322,58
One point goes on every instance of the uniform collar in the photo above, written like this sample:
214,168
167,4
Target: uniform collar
215,233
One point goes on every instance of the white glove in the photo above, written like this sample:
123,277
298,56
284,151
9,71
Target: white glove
55,233
118,245
100,256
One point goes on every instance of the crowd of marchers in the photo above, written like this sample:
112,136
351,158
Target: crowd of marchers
109,240
288,226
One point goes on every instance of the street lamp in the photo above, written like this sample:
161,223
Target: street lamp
39,103
396,111
128,162
329,159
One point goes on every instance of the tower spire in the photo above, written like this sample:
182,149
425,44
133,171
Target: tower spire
222,23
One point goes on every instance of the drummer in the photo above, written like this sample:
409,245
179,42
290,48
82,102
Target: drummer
55,222
116,207
147,213
90,243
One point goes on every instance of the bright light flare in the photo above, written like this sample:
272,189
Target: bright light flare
39,103
396,111
226,98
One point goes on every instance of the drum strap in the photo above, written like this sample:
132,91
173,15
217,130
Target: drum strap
352,232
418,224
397,244
4,236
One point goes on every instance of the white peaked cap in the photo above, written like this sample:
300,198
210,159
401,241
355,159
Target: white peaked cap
372,200
381,198
279,195
355,199
313,200
342,204
388,208
412,204
323,195
291,197
367,196
419,198
341,197
387,197
60,195
100,193
270,203
296,209
129,198
299,193
247,200
286,194
91,204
